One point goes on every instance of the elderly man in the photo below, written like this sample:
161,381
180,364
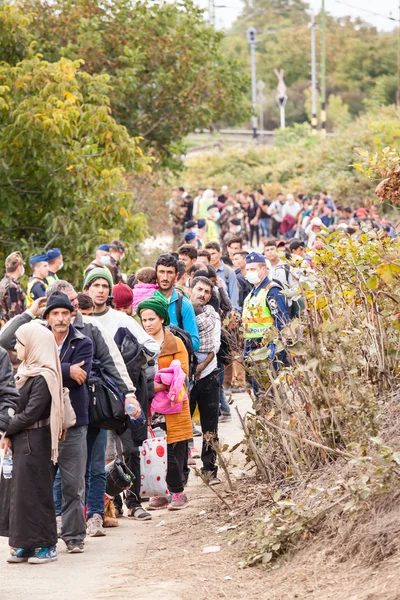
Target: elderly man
12,295
55,264
76,352
37,282
102,259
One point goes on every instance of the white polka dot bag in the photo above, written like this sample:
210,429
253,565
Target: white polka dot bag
153,467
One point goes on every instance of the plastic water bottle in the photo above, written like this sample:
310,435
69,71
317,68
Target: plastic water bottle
135,421
159,432
7,464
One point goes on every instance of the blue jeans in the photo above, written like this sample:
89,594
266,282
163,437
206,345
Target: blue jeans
96,471
265,227
224,407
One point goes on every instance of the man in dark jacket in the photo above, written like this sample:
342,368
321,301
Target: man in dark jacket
106,353
76,353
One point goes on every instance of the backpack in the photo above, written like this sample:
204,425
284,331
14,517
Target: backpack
133,355
184,336
295,307
106,404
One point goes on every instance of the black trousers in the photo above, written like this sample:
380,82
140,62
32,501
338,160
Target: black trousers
275,226
132,460
177,456
205,393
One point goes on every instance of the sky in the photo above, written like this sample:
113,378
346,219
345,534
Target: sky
226,16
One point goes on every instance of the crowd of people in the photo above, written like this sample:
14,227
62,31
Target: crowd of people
165,340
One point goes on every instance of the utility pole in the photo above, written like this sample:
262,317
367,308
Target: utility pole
252,40
313,76
261,99
281,96
211,12
323,68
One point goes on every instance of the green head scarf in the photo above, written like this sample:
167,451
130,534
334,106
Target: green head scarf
158,303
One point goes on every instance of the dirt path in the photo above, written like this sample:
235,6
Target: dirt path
160,559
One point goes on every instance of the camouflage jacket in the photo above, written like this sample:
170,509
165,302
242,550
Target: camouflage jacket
12,299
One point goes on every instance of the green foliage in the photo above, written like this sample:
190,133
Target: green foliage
14,35
382,164
63,163
166,68
300,161
327,405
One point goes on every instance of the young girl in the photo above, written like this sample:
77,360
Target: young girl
145,287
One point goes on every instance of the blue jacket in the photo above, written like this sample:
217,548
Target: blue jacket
188,318
75,349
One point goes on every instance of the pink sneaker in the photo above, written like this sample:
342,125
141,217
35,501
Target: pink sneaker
178,502
157,502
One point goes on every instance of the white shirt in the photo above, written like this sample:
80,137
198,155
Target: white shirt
291,208
276,205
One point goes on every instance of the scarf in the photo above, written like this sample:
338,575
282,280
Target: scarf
41,358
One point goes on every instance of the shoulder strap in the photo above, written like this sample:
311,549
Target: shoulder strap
287,271
179,311
226,274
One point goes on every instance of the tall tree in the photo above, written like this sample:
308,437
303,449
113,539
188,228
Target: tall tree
166,68
63,159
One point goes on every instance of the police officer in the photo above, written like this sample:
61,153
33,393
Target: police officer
12,295
37,282
263,308
55,260
117,253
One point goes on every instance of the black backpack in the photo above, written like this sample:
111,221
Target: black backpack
184,336
134,357
106,407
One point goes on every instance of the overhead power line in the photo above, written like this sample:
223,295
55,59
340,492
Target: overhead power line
370,12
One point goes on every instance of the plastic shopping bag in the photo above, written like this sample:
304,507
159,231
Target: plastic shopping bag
153,467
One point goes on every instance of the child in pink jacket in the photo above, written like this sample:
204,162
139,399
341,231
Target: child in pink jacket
145,287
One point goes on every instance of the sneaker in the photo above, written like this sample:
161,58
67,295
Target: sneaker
215,480
157,502
178,501
95,526
20,555
238,389
75,547
44,555
139,514
59,525
224,418
191,462
196,432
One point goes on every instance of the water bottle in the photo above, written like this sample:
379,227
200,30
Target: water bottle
158,432
7,464
136,422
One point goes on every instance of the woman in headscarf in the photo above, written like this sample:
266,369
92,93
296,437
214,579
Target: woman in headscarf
153,313
33,435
